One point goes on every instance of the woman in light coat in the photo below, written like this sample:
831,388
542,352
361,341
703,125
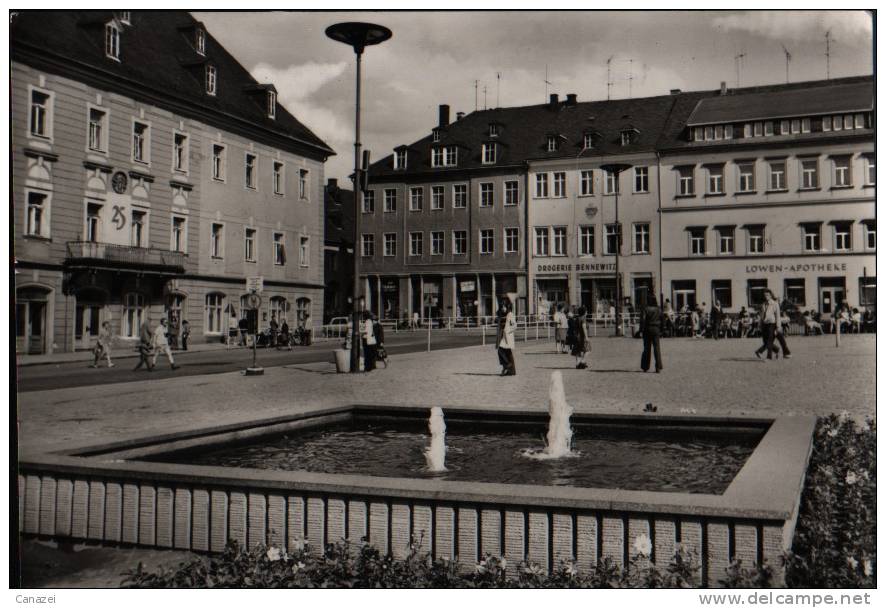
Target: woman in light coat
504,341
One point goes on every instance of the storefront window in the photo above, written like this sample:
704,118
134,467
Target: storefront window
795,291
756,288
721,291
133,314
867,290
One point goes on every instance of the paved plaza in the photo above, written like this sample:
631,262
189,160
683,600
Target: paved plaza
701,376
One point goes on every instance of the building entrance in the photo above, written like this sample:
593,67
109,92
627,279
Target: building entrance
30,321
831,294
551,292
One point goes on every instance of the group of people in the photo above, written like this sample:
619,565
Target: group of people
571,333
278,333
152,342
372,341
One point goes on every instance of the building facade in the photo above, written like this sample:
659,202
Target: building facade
772,188
151,176
338,251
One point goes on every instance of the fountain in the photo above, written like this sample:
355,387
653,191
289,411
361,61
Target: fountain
559,437
436,453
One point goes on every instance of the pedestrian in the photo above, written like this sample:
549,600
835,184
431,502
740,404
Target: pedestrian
233,329
650,328
145,340
561,324
186,333
670,318
716,319
284,334
274,329
307,333
378,333
103,345
770,316
579,338
415,321
369,344
243,327
504,339
161,344
174,330
695,322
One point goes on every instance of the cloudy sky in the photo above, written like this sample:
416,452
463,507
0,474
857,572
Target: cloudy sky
435,57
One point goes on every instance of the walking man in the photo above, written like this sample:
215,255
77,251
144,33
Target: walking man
370,345
161,344
770,315
103,345
145,339
716,319
650,327
186,333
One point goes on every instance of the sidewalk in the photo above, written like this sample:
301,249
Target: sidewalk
122,351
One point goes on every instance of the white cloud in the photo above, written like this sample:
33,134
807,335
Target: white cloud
849,27
299,81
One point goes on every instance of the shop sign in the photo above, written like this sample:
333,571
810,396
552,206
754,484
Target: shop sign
467,285
577,267
814,267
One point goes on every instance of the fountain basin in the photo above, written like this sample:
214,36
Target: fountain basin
109,493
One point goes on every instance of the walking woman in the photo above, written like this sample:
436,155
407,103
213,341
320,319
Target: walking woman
103,346
507,325
579,338
650,327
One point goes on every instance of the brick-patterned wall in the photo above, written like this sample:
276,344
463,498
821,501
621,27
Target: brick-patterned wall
195,517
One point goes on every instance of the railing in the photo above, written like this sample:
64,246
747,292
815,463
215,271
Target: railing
124,255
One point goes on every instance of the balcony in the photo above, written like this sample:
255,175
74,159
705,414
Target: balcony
88,254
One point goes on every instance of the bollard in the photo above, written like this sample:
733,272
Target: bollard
483,331
536,330
837,332
429,334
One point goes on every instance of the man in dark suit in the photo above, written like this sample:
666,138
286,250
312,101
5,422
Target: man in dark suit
650,327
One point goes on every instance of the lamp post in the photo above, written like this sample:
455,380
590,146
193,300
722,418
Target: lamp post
616,169
359,36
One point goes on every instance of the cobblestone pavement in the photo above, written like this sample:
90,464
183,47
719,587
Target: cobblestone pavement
705,376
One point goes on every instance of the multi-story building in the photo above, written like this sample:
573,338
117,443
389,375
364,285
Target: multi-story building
151,176
771,187
338,250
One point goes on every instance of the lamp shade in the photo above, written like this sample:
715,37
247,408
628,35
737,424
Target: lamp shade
357,34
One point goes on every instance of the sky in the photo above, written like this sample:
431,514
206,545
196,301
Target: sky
435,58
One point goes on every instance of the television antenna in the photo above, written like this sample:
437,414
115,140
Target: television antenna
738,60
547,83
787,63
827,52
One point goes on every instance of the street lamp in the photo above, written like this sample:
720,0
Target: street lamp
616,169
358,35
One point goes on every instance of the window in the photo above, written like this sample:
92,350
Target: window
303,184
369,201
367,245
302,310
758,129
133,314
586,240
726,245
200,41
871,173
180,152
179,237
278,177
416,240
215,303
98,128
390,200
756,289
435,135
218,162
559,240
586,183
811,236
756,239
768,128
304,251
512,240
277,307
437,242
390,244
279,249
216,235
460,196
784,127
641,238
718,132
696,241
826,123
450,156
809,173
587,141
125,17
611,183
805,125
37,223
272,104
746,177
141,143
613,241
512,193
847,121
715,179
541,185
249,244
251,161
488,154
487,194
708,134
459,242
93,223
859,121
211,80
437,197
559,184
553,144
542,242
842,236
777,175
487,241
867,291
416,199
641,179
493,130
795,125
137,235
721,291
437,157
112,41
686,181
795,291
842,172
629,136
870,234
399,159
748,129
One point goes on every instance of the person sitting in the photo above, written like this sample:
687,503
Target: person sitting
785,322
869,321
811,326
855,320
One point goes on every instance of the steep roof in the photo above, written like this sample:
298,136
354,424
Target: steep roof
158,56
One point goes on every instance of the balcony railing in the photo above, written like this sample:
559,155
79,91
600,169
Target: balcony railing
88,253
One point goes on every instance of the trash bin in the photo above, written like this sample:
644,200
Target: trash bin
342,360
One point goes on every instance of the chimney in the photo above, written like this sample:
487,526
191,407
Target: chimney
675,91
459,115
571,99
555,100
722,87
444,115
332,184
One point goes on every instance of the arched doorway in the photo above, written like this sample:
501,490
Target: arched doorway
31,305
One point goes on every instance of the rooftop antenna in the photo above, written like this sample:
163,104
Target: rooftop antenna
787,63
630,78
485,106
547,82
827,52
609,77
738,59
498,89
476,95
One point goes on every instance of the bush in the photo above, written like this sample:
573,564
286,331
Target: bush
835,540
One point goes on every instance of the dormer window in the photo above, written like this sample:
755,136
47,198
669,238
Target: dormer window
629,136
272,104
553,143
493,130
400,159
112,41
587,141
489,153
211,80
444,156
200,41
125,17
435,135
